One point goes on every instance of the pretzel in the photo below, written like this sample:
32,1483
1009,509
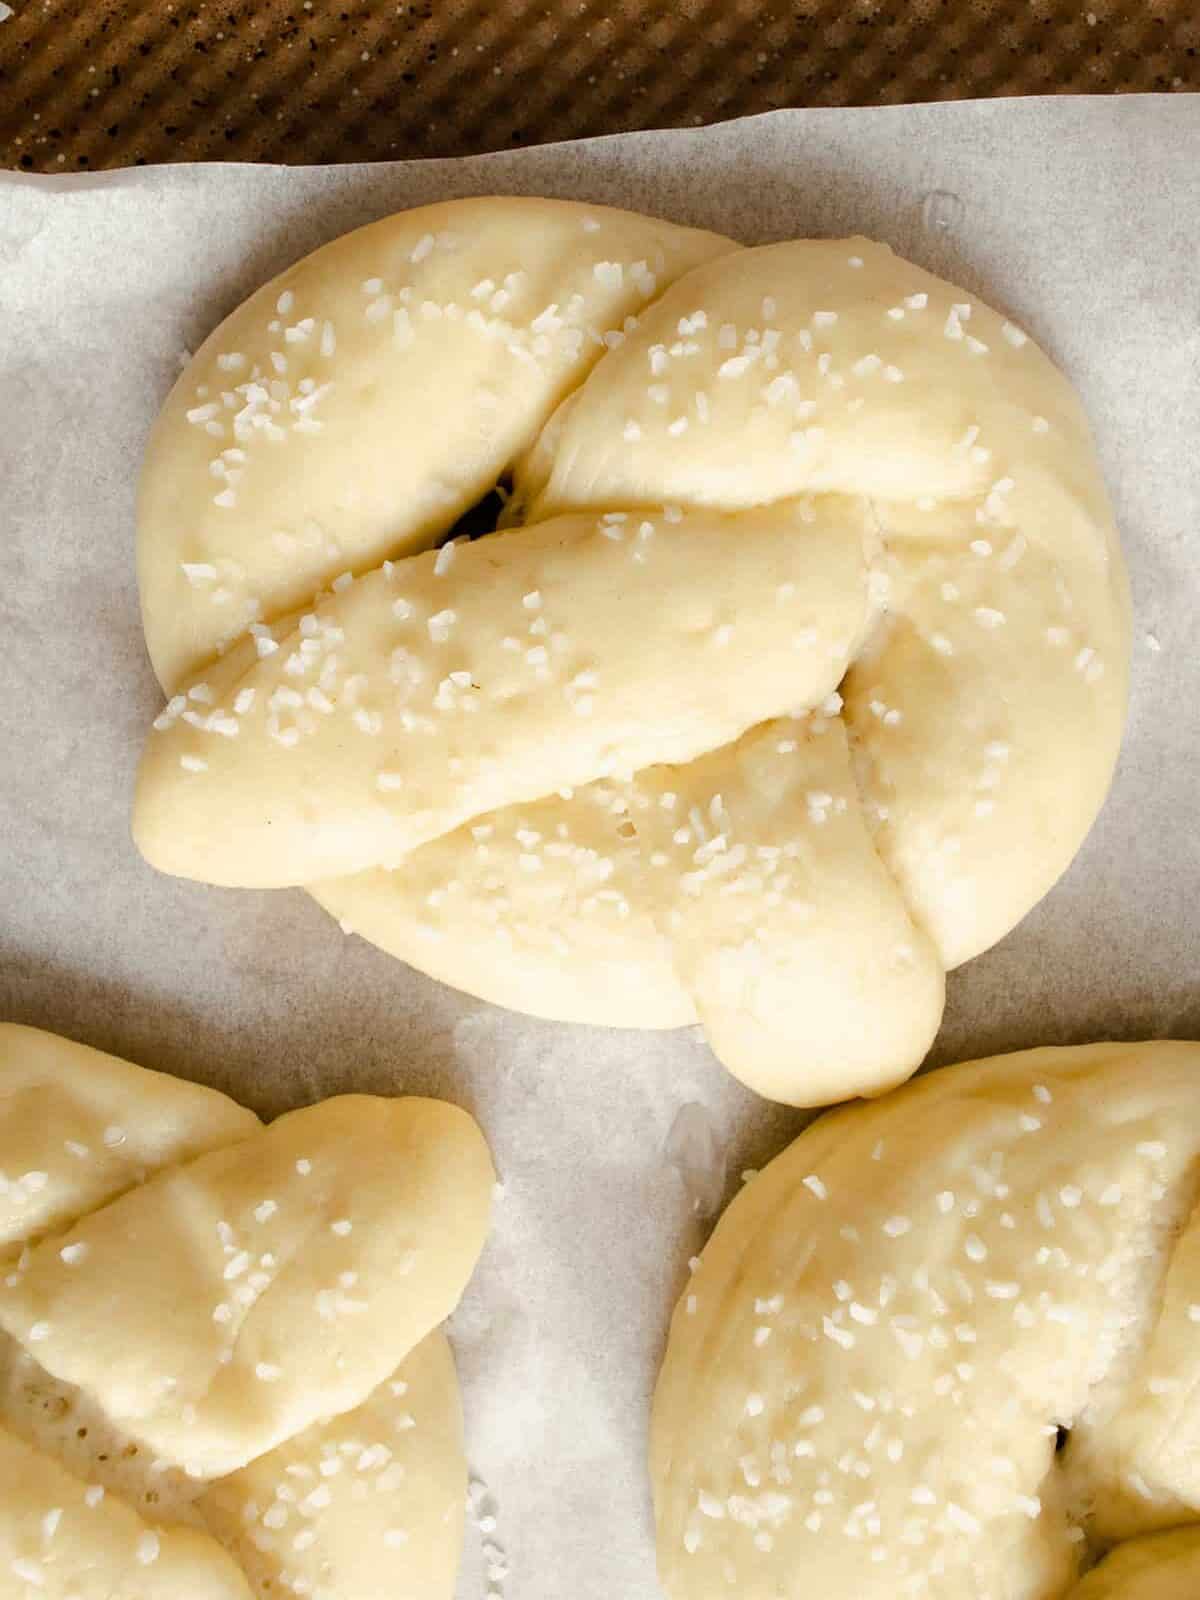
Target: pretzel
246,1315
944,1346
794,677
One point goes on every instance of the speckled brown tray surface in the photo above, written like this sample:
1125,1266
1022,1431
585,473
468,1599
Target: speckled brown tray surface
90,84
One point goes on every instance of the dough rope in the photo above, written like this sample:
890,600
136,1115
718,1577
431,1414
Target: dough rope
944,1347
795,677
59,1539
256,1309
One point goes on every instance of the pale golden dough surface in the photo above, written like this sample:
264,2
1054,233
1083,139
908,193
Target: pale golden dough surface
794,947
948,585
806,968
973,454
367,1506
499,672
566,941
230,1302
90,1509
361,401
1164,1566
63,1539
78,1127
867,1370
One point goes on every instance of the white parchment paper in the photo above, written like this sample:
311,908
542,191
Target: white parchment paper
1080,217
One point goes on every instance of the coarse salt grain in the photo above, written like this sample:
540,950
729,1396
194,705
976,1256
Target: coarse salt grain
198,572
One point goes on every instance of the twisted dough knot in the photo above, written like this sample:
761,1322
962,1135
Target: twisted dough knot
253,1309
945,1344
796,677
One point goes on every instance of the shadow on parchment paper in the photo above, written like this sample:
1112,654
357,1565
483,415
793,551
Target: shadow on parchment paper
1142,1006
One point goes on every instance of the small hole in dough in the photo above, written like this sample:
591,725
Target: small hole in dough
483,517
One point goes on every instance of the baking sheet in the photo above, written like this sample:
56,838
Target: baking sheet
88,84
1077,216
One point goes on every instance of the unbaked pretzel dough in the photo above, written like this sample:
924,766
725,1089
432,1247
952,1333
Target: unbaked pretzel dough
266,1304
60,1539
226,1304
897,1321
367,1506
79,1127
1163,1566
795,678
